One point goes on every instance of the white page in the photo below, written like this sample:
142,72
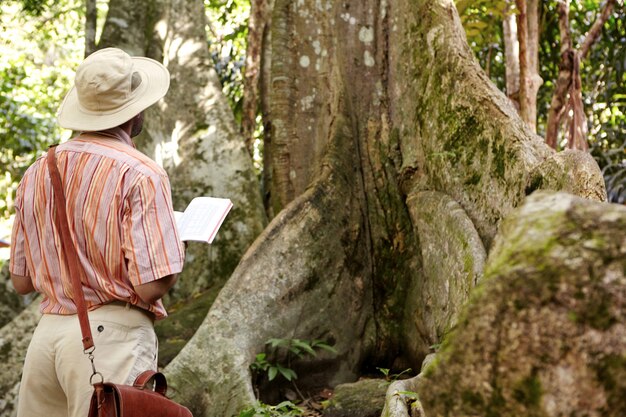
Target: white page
202,218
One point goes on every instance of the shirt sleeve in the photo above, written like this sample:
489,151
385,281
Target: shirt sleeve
150,238
17,262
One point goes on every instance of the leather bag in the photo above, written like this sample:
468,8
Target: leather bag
142,399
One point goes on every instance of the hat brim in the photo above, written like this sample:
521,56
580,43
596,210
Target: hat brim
155,81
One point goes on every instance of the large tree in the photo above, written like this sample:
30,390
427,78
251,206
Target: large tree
390,159
375,110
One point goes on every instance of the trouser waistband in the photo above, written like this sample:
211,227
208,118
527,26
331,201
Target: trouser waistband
129,306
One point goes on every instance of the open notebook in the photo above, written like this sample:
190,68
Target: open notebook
202,218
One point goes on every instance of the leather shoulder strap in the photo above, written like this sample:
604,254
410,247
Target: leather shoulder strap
67,245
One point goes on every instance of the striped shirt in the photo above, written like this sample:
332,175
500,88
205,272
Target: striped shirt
120,214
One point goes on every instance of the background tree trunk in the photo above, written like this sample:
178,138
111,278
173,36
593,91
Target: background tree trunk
192,132
532,54
257,27
525,105
91,25
511,55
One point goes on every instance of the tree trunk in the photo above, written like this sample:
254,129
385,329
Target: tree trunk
257,27
372,106
193,134
563,82
532,54
525,105
511,56
91,25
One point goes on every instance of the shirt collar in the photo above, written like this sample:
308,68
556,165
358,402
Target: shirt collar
116,133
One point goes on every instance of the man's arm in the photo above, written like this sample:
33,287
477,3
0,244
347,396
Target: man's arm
155,290
23,284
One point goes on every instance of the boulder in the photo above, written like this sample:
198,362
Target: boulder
364,398
544,333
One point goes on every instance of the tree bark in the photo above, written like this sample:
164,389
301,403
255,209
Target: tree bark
511,56
596,29
91,25
532,54
559,96
257,27
525,104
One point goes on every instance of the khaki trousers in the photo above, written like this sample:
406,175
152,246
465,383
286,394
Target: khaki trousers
55,380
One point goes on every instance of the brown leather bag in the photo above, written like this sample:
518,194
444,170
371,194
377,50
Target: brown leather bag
108,400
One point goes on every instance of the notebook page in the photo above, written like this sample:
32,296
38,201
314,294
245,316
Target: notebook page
202,218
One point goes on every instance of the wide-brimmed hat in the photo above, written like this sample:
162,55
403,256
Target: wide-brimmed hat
110,88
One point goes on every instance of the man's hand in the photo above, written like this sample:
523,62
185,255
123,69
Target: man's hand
23,285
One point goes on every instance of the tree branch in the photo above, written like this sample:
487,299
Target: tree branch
596,29
524,79
565,76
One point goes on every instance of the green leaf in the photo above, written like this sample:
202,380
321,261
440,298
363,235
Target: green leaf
272,372
384,371
323,345
305,346
248,412
289,374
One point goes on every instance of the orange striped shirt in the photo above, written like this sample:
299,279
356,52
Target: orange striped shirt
120,213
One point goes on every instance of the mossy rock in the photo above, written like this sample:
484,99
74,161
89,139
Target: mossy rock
365,398
545,332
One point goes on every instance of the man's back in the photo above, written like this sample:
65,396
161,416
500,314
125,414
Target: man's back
119,209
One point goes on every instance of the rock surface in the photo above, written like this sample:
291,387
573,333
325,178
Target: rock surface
364,398
545,333
14,340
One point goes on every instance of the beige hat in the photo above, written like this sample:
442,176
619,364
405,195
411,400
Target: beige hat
110,88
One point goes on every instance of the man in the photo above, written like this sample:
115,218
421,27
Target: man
120,214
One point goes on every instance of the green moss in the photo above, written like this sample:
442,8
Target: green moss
611,373
496,404
528,392
184,319
5,349
536,183
473,179
499,159
596,311
472,399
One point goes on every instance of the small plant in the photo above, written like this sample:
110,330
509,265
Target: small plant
284,409
292,347
392,377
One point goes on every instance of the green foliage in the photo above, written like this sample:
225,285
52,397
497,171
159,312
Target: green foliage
603,72
284,409
227,32
289,348
482,21
36,56
393,377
